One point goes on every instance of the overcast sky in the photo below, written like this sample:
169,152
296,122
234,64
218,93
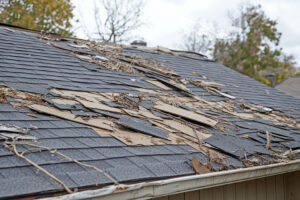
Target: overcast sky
167,20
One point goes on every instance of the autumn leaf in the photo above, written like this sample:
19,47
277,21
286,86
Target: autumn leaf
47,15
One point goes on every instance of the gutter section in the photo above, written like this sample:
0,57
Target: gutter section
148,190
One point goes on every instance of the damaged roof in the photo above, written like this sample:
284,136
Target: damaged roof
77,114
290,86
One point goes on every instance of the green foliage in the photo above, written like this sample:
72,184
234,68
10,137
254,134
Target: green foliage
254,50
46,15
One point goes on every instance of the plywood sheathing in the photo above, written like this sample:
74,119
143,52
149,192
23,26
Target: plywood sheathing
94,122
173,100
113,59
189,116
211,87
180,130
158,84
142,112
185,114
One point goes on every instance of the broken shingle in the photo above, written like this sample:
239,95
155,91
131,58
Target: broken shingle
142,126
236,146
263,127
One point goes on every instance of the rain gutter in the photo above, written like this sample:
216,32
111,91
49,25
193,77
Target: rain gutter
149,190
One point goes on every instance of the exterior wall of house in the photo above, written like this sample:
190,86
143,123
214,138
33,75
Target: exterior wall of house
279,187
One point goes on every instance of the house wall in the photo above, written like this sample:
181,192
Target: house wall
279,187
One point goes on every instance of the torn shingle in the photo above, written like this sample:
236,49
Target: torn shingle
143,127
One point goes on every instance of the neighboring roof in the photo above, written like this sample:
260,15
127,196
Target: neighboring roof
290,86
76,108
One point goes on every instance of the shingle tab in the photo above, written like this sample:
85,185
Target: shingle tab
142,126
148,150
160,169
88,178
26,185
126,173
181,168
114,152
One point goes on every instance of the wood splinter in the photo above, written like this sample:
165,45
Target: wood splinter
12,147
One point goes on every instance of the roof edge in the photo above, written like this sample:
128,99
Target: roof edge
148,190
158,48
25,29
20,28
294,76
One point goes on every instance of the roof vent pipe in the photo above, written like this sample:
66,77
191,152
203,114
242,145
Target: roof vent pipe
139,43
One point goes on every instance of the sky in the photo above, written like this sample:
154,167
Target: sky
166,21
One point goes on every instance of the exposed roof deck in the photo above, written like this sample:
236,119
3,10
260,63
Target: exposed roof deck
93,114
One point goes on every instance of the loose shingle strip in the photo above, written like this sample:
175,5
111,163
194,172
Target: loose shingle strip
142,126
185,114
284,134
237,146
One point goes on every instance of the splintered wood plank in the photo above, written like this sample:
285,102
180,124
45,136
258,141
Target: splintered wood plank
179,127
98,123
146,113
185,113
64,101
97,105
133,138
211,84
198,167
163,126
102,132
83,95
158,84
149,91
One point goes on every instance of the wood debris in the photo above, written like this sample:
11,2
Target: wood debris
269,139
158,84
172,115
199,167
98,123
186,114
14,136
211,87
12,148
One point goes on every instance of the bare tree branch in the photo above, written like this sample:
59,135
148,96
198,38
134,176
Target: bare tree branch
199,40
116,19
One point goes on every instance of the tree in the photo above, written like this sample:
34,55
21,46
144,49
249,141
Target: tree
46,15
117,19
198,40
254,49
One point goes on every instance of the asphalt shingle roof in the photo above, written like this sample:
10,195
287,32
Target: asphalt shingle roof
33,65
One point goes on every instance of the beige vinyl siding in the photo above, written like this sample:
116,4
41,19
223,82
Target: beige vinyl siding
280,187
